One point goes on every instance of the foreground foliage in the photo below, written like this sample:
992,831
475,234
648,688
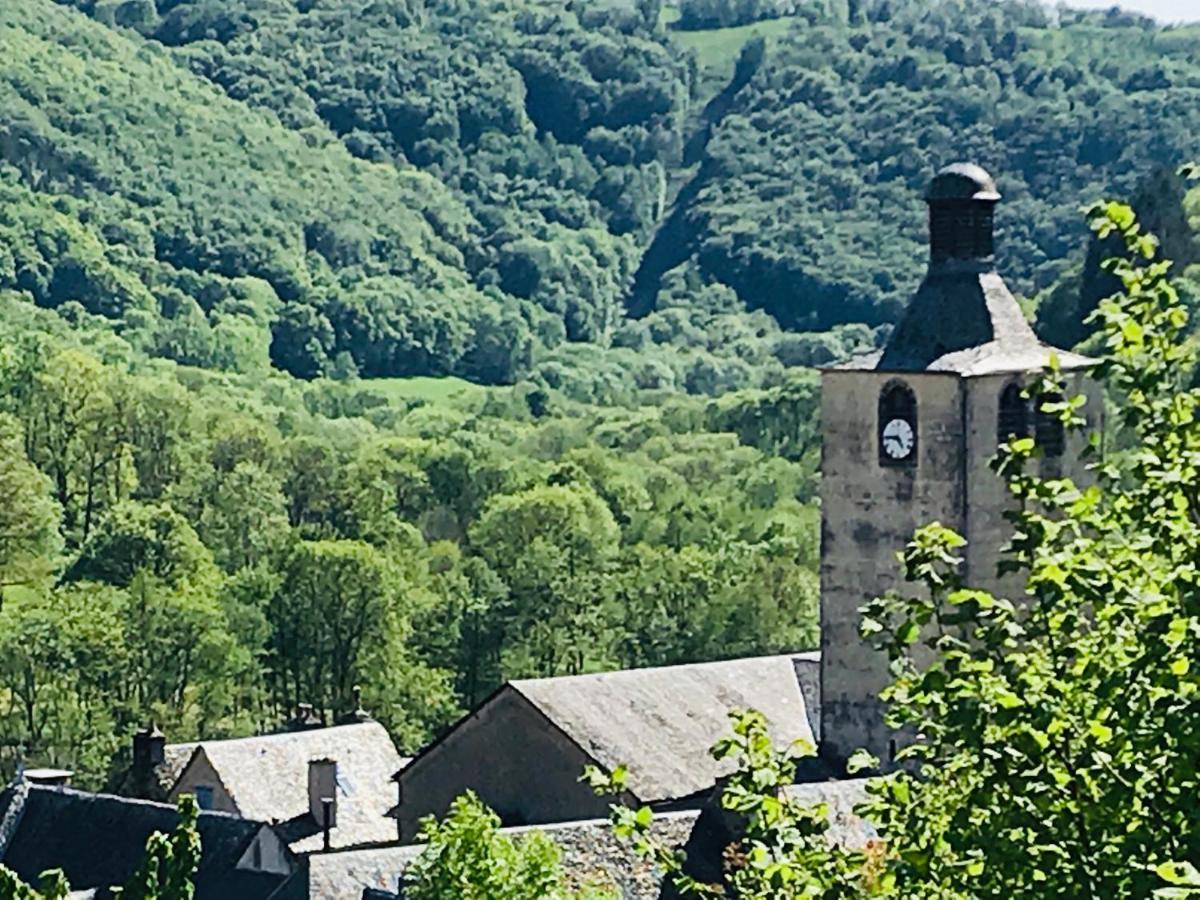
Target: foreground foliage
467,857
1059,747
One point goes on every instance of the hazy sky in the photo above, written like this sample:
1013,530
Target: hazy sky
1166,10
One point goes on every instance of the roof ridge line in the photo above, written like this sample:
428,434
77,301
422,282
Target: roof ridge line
13,813
688,665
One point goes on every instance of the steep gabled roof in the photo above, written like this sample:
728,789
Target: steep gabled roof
99,840
267,777
661,722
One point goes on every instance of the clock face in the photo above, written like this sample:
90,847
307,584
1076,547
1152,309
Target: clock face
898,439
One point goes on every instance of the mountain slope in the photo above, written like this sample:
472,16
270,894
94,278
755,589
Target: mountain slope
497,190
187,191
811,211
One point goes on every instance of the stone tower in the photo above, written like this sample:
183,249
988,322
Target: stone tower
908,435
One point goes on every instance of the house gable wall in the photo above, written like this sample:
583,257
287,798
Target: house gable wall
508,753
199,772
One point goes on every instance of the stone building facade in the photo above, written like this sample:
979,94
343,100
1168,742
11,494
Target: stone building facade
523,749
910,432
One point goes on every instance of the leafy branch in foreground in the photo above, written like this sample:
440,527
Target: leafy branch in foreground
467,857
784,849
1057,732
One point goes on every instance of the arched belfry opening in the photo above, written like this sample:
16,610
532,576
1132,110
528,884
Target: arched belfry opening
897,425
1012,420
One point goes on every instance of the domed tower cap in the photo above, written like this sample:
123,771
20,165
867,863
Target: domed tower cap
962,181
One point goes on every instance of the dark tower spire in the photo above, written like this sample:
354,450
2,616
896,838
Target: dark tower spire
962,200
963,316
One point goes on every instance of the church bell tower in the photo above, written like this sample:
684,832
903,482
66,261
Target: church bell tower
908,435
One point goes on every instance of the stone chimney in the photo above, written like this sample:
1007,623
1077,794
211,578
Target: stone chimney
305,718
322,792
149,749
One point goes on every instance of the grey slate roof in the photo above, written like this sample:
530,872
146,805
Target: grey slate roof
591,853
99,840
964,320
661,722
267,777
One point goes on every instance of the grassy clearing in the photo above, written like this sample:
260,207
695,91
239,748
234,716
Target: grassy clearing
717,49
435,391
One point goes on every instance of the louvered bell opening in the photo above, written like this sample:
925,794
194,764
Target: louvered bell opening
942,229
1050,432
985,230
961,230
1013,420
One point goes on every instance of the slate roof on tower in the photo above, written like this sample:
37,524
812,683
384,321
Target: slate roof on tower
963,318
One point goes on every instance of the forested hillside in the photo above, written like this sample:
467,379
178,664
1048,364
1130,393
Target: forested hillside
399,187
210,550
419,344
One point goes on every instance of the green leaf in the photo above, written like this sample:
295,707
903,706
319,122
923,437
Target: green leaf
1008,699
1180,873
861,761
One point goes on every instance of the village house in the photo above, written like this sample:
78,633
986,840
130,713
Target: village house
523,749
298,780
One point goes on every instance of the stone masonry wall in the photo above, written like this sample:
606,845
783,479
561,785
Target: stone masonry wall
869,513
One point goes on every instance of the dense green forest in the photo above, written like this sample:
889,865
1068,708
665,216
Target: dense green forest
419,344
430,187
212,549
